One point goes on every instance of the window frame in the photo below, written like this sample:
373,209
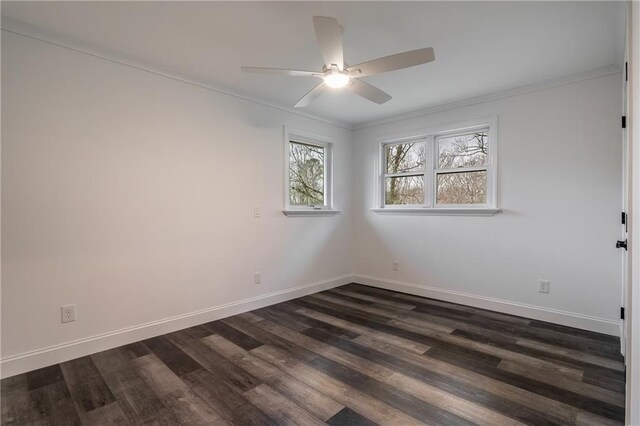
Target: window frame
306,138
430,138
385,175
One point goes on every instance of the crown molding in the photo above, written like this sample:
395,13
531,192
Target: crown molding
493,96
15,26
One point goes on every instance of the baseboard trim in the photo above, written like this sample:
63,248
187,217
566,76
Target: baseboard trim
32,360
571,319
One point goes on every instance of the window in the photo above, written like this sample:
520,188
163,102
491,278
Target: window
404,173
461,172
449,171
307,175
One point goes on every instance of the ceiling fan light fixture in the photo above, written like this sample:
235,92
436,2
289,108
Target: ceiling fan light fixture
336,80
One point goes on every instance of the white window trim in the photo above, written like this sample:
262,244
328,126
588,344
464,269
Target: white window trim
429,135
302,136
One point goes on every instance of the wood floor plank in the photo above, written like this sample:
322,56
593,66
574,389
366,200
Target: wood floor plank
136,398
402,401
86,385
250,317
555,356
488,326
369,310
280,408
337,304
236,336
499,396
514,330
582,402
44,377
481,344
461,407
315,402
225,371
572,342
279,316
311,322
592,391
346,358
379,300
348,417
366,332
426,303
118,358
233,407
15,401
604,380
357,365
605,338
274,340
187,407
108,415
445,383
589,419
52,404
461,352
175,358
377,410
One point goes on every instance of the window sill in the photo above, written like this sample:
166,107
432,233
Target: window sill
306,213
439,211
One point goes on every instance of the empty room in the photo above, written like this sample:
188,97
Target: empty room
307,213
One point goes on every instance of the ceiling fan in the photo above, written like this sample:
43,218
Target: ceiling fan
336,74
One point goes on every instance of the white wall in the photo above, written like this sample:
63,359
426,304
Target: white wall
559,185
131,195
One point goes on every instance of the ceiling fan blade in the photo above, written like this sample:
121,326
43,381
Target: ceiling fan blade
329,37
368,91
311,96
292,73
393,62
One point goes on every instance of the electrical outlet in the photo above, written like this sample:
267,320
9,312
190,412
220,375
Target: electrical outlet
544,286
257,277
68,313
396,265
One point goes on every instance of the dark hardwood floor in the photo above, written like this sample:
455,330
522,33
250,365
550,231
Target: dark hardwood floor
353,355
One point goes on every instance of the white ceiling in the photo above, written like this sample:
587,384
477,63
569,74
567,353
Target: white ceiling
480,47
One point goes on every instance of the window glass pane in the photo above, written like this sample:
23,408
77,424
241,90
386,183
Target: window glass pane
463,150
404,190
462,188
306,175
406,157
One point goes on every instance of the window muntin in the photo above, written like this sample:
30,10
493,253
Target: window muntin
448,169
